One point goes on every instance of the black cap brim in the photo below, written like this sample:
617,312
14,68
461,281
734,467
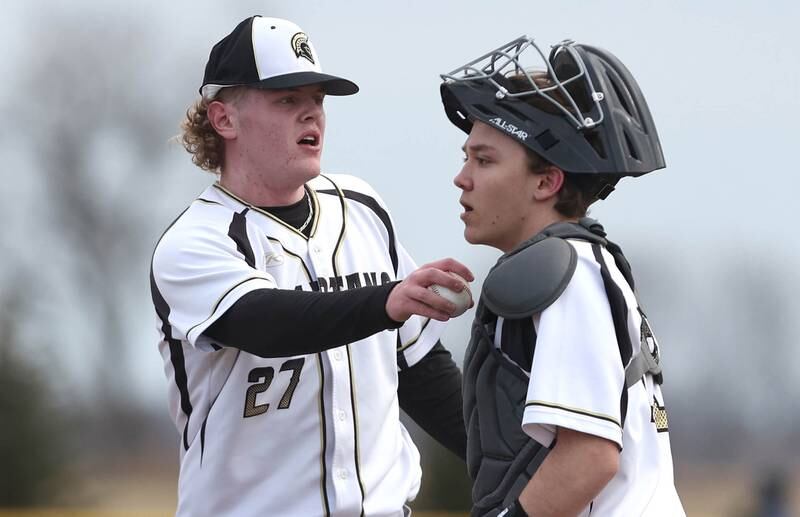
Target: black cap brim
333,85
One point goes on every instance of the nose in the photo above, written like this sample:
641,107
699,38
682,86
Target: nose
462,179
312,111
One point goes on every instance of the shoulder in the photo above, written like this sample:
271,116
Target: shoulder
356,191
592,260
327,182
203,224
528,280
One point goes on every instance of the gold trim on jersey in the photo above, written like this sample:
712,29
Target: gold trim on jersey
323,439
353,399
413,340
315,206
353,396
222,297
343,202
569,409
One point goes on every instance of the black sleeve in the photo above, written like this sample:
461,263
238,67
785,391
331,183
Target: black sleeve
430,393
281,323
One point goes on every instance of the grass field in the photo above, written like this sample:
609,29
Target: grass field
141,513
706,491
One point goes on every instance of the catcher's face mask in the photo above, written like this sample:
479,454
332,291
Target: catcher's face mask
577,107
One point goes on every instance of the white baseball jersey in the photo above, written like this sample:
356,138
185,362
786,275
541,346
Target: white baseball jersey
582,343
308,435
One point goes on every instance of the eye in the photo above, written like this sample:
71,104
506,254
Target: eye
479,159
319,99
289,99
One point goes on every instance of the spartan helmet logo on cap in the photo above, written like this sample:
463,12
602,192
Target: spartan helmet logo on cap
301,46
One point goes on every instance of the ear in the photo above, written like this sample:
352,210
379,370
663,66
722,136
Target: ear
548,182
222,117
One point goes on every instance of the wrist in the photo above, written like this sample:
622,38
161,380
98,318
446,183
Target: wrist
391,322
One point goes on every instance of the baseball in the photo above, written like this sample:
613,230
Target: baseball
462,300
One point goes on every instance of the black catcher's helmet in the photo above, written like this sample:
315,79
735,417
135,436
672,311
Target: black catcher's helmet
601,125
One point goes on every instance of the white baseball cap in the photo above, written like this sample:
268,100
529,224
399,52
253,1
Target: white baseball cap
268,53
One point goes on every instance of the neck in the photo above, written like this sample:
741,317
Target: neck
537,223
258,192
552,218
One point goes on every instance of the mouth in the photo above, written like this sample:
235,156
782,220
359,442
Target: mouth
309,139
467,211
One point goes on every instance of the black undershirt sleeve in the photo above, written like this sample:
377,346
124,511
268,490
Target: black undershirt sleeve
281,323
430,393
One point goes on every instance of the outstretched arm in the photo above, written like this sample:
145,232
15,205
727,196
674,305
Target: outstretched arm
281,322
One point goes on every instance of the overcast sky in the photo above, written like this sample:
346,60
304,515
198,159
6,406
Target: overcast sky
721,79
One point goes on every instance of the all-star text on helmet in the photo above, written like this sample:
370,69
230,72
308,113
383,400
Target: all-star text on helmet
582,110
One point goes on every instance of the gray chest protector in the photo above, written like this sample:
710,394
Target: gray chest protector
501,458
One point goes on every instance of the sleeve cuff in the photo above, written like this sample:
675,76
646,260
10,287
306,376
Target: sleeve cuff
539,422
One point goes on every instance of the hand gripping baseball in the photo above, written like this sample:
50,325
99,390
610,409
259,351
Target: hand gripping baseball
412,296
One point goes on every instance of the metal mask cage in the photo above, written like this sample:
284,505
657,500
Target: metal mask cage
512,59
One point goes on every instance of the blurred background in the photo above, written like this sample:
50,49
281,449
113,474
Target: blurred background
92,93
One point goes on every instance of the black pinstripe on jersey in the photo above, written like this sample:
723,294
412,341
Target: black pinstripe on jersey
373,205
238,232
203,438
175,348
175,353
383,216
338,192
619,315
323,427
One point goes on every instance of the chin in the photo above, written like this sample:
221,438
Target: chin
471,238
309,172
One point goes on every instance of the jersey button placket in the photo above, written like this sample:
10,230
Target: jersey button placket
320,266
344,454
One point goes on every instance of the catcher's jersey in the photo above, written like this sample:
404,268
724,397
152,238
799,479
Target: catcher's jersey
580,347
315,434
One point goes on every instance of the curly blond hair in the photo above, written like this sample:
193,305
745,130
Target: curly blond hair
200,138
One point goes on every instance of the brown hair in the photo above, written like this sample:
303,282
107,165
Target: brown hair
200,138
579,190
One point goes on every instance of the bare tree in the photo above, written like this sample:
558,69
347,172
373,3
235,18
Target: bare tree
86,100
33,437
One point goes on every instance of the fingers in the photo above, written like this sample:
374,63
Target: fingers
412,295
409,298
449,265
435,302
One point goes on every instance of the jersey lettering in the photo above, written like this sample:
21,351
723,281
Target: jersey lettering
352,281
